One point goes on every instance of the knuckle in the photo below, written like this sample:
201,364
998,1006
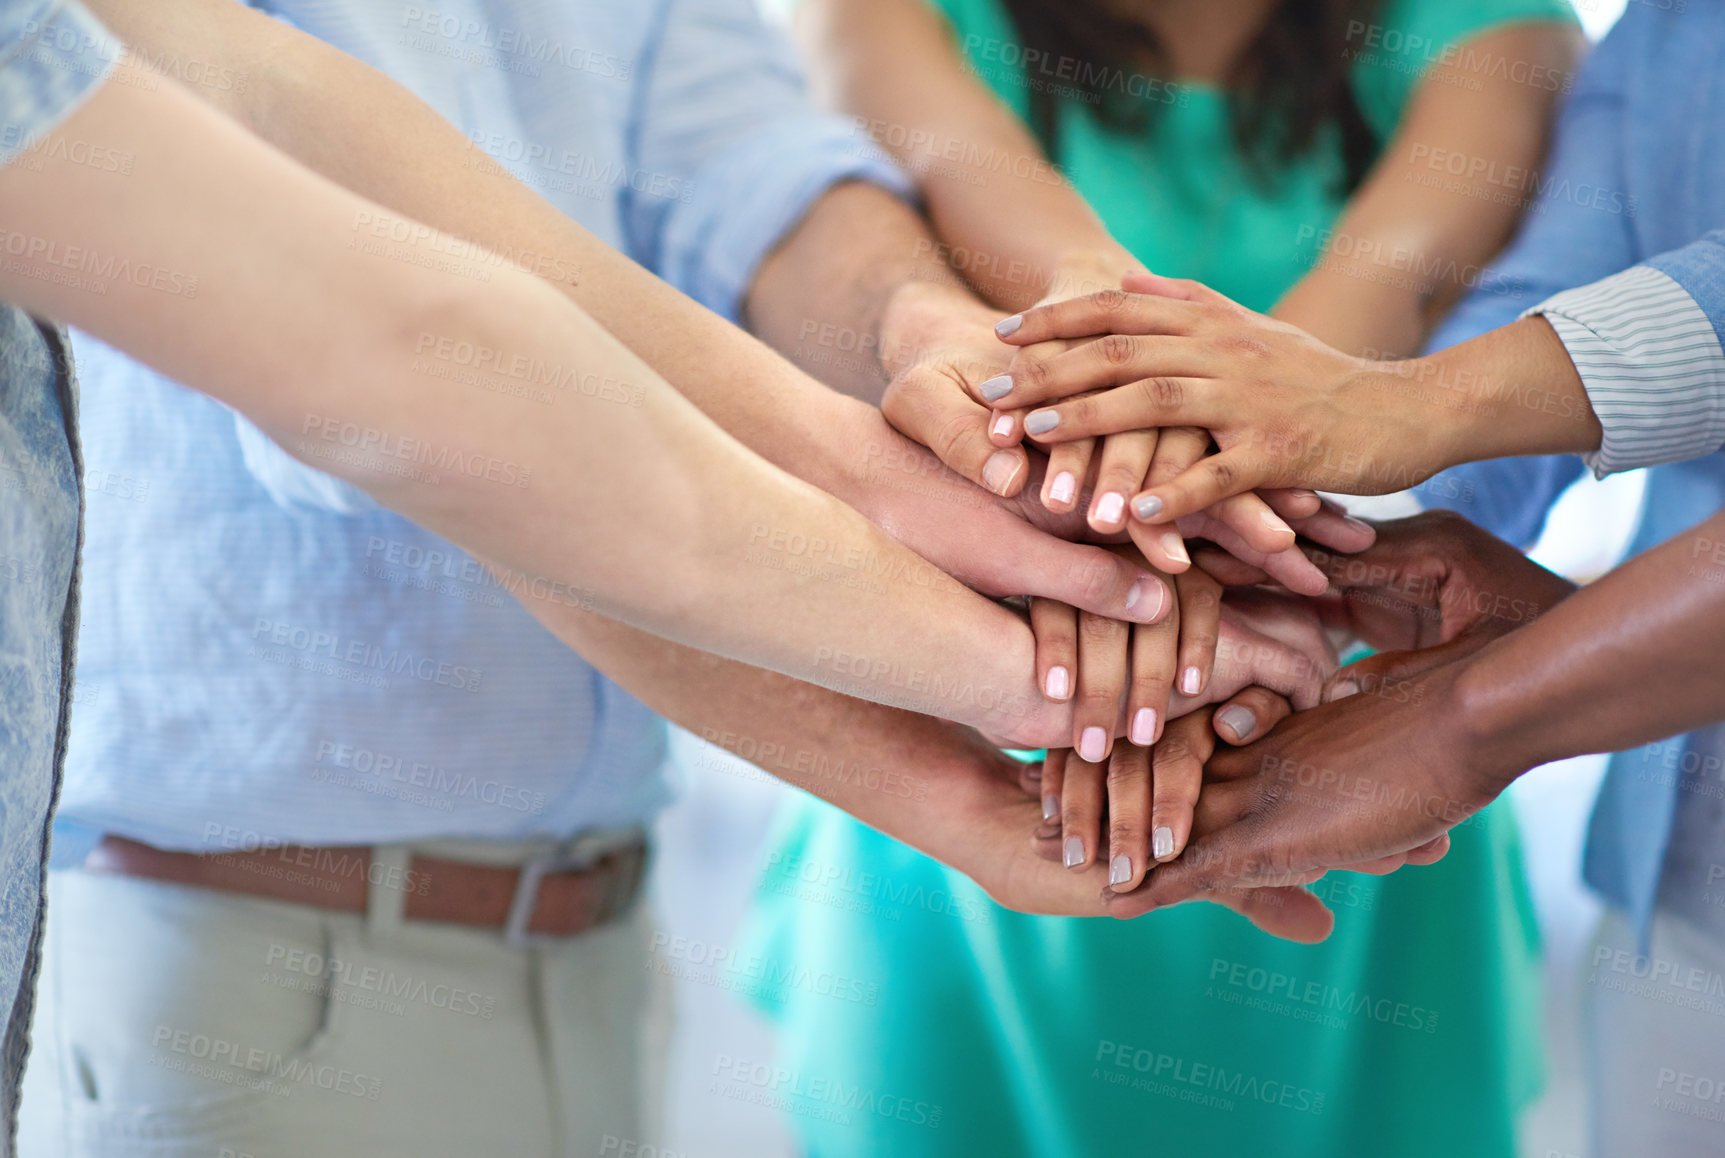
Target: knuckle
1098,701
1117,349
1126,833
952,437
1095,579
1223,474
1202,597
1099,629
1163,393
1111,303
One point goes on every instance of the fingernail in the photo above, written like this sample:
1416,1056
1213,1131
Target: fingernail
1009,326
1151,592
1147,507
1064,488
1274,521
996,388
1238,720
1074,851
1059,683
1000,470
1359,525
1119,870
1034,772
1144,727
1050,806
1189,681
1093,745
1002,426
1041,421
1175,547
1162,843
1111,507
1343,689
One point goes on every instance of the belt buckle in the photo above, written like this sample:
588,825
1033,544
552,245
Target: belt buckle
578,854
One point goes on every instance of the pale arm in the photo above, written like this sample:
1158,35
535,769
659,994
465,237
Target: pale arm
301,318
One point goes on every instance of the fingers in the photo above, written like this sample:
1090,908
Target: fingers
1291,913
1331,526
1180,289
1383,673
1177,773
1046,839
1102,646
1289,567
1088,577
1125,460
1081,795
1055,626
1220,476
1116,358
1128,817
1294,502
1200,608
1030,779
1250,714
1108,312
1171,400
1260,527
933,409
1063,481
1155,656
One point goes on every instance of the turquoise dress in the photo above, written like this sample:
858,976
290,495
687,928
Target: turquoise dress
1413,1032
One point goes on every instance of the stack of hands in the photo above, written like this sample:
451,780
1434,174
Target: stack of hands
1218,750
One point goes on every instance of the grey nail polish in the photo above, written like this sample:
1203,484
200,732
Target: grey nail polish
1162,842
1120,870
996,388
1041,422
1050,806
1147,507
1009,326
1238,720
1074,852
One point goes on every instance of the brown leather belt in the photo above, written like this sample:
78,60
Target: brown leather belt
553,896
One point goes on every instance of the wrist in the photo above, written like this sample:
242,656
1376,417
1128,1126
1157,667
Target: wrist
915,314
1482,723
1089,271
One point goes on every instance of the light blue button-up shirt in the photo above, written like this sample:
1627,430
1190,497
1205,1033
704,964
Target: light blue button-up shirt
266,655
1636,177
52,55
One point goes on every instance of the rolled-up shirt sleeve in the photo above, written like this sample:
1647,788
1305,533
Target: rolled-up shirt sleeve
1647,344
53,54
733,151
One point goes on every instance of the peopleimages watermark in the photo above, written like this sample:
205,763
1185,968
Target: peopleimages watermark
384,773
756,975
502,46
369,986
1201,1083
860,891
1311,999
1064,76
808,1095
399,454
86,268
234,1063
331,653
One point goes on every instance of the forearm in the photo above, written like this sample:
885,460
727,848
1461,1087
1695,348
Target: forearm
1019,229
352,124
633,498
1632,658
1513,391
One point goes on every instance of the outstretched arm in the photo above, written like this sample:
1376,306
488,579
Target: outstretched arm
355,126
229,267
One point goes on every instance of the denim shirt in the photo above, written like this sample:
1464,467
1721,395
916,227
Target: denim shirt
1636,176
51,56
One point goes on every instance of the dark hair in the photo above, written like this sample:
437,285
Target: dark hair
1293,79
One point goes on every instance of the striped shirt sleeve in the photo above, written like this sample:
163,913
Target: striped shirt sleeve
1652,365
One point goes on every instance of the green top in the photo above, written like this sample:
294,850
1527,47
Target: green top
916,1018
1178,195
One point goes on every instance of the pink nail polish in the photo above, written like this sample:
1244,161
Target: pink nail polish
1003,426
1189,681
1064,488
1111,508
1144,727
1058,684
1175,547
1093,745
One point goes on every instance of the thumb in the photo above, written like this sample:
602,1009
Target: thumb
928,407
1383,673
1186,290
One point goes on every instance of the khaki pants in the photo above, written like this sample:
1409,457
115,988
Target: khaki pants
177,1022
1657,1041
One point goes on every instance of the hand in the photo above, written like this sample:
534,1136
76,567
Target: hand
1366,783
1000,547
1285,409
977,823
1433,588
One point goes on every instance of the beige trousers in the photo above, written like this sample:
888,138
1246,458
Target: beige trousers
184,1023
